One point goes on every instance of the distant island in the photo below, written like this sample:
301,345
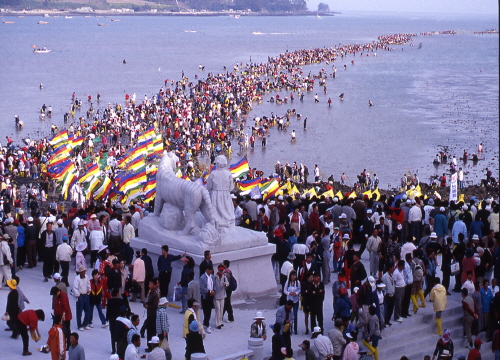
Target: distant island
186,7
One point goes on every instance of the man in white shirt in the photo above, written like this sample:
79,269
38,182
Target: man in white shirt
63,257
128,233
399,285
136,218
81,290
322,344
115,234
132,352
468,284
372,246
415,220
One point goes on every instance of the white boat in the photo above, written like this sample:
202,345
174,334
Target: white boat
115,20
43,50
237,16
257,33
45,15
42,23
68,17
190,31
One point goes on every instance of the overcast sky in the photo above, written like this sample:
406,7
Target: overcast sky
421,6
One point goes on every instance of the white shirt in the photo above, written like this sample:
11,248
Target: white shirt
469,285
64,252
128,233
81,286
323,345
132,353
399,278
210,283
415,214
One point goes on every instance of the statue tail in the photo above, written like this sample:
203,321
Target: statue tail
206,207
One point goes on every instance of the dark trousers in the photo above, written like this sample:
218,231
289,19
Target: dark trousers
207,305
64,272
31,252
227,306
363,246
164,278
458,281
112,324
23,330
429,280
49,259
389,307
67,331
12,324
446,280
114,244
406,301
415,227
151,325
21,256
93,257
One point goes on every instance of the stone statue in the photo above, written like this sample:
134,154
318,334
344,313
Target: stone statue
178,200
219,184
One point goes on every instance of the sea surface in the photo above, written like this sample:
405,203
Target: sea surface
443,94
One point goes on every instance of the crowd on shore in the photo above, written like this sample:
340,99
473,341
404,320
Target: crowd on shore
314,236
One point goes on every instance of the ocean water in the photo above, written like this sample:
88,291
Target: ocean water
443,95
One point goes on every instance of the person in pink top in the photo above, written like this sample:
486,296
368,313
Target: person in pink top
351,349
139,276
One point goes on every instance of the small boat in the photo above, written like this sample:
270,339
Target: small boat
42,23
45,15
68,17
257,33
43,50
20,16
115,20
237,16
190,31
87,16
8,22
102,24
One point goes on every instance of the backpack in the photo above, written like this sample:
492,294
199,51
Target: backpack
418,272
233,284
452,219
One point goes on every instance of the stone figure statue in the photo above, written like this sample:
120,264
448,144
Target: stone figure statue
219,184
178,200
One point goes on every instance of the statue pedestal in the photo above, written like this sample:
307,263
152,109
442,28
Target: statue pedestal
248,251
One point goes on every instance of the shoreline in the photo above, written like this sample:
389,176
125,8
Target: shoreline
41,12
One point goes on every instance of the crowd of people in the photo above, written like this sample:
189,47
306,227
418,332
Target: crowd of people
315,237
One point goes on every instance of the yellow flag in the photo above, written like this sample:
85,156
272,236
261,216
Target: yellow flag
328,193
377,193
353,195
311,192
369,193
461,197
339,195
294,191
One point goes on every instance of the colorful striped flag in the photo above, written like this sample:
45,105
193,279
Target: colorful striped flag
132,181
270,187
59,138
104,188
92,170
239,169
247,185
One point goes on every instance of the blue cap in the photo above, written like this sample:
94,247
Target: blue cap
194,327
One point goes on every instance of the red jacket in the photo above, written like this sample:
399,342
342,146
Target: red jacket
29,318
61,305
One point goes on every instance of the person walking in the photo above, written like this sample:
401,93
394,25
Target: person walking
55,340
220,285
337,339
470,313
443,345
75,350
151,306
399,284
439,301
63,309
292,290
373,334
63,257
12,309
229,291
6,262
95,298
81,291
207,296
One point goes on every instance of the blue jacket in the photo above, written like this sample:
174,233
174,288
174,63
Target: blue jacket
486,299
342,307
281,316
20,236
203,284
441,225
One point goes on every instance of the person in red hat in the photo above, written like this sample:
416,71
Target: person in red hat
475,354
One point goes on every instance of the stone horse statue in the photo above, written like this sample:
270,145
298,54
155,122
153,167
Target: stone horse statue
182,199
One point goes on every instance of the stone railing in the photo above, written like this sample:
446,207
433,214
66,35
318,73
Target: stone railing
255,352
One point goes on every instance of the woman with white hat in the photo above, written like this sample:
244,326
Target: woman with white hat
258,328
80,258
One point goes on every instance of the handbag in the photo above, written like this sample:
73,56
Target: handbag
455,268
5,318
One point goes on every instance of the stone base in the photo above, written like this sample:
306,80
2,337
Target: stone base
251,267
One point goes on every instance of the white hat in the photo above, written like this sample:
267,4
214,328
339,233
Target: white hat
413,201
465,208
56,276
11,219
381,285
335,199
349,335
118,205
316,329
369,211
480,250
233,196
271,202
346,236
355,290
82,268
475,237
433,235
30,219
442,209
154,340
60,222
371,280
259,315
21,212
408,201
81,246
93,216
81,223
343,216
280,197
163,301
102,247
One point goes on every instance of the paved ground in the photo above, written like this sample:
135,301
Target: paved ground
231,339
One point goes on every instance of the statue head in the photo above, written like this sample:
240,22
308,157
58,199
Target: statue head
221,161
